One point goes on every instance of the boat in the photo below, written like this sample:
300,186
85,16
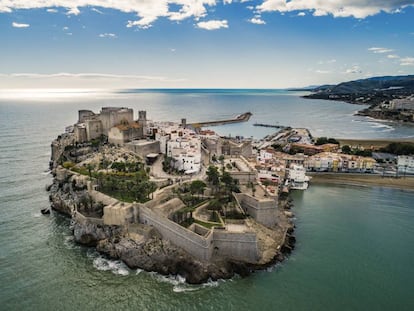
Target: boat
297,177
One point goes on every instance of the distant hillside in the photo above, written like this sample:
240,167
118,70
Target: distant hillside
397,84
377,92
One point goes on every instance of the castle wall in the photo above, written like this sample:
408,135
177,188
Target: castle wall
80,133
142,149
235,245
111,116
93,129
263,211
84,115
243,177
194,244
118,214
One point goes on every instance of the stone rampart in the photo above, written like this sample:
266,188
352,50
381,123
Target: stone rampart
235,245
263,211
243,177
103,198
82,219
194,244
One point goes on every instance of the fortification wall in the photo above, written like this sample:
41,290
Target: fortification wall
100,197
84,220
263,211
93,129
235,245
118,214
194,244
243,177
143,149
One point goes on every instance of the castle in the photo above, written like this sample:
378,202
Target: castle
116,123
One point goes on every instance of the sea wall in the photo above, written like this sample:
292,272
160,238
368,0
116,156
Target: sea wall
191,242
235,245
84,220
119,214
263,211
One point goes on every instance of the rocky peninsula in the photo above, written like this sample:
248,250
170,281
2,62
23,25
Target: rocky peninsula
163,197
389,98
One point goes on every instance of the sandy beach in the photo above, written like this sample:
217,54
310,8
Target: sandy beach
373,143
403,182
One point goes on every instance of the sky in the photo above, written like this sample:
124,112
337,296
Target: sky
202,43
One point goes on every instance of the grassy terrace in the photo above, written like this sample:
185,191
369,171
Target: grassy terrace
125,182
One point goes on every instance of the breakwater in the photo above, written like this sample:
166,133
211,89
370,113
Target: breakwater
270,125
244,117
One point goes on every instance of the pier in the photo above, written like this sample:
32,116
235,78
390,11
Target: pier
244,117
269,125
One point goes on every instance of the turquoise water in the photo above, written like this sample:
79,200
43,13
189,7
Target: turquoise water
354,245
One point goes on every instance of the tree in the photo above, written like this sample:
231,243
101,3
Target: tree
346,149
227,180
321,141
253,186
197,186
221,159
213,175
90,167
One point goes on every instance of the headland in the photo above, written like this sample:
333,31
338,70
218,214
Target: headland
389,98
177,199
165,197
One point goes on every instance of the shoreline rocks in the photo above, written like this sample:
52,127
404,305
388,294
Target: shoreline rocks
148,251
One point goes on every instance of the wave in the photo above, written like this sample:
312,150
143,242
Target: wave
179,284
104,264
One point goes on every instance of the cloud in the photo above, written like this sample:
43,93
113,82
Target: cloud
301,14
337,8
147,11
87,76
329,61
213,24
108,35
322,71
407,61
257,20
17,25
392,56
378,50
51,10
353,69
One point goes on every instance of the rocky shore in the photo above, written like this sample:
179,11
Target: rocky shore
141,246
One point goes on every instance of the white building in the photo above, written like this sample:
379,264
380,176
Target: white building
405,164
185,153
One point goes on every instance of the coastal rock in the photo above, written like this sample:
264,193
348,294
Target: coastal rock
155,254
90,234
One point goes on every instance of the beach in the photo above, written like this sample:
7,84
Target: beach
402,182
373,143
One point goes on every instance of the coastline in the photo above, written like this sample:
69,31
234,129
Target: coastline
374,142
403,183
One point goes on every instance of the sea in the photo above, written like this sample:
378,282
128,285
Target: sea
354,247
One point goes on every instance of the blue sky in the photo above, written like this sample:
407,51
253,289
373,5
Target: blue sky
202,43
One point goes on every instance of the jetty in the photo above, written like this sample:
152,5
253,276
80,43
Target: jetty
244,117
269,125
